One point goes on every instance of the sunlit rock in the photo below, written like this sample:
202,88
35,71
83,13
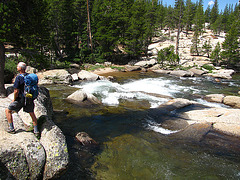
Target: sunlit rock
182,73
215,98
233,101
57,76
81,97
22,153
197,72
85,75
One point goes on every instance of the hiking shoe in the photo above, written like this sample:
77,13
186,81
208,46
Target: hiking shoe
11,131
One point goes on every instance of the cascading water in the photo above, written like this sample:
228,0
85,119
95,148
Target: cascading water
133,145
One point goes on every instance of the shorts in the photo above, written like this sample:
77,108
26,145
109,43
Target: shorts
26,103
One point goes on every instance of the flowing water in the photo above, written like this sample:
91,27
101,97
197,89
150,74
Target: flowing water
132,143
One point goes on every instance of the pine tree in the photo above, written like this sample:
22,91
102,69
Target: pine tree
179,8
214,13
231,51
198,28
161,15
216,54
217,25
207,14
188,15
207,48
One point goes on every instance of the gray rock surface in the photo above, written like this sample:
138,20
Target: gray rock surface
57,76
197,72
49,155
146,64
81,97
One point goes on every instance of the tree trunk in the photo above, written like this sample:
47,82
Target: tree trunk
2,66
179,29
89,27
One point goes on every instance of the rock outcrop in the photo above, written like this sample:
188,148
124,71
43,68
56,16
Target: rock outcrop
85,75
22,153
222,73
222,119
57,76
81,97
233,101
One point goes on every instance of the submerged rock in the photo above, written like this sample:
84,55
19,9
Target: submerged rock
193,132
85,139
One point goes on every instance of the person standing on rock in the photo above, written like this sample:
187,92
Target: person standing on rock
19,101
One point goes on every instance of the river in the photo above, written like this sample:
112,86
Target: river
132,143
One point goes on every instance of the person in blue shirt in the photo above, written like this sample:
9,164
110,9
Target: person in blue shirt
19,101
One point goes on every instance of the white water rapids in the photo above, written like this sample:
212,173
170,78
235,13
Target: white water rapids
143,89
147,89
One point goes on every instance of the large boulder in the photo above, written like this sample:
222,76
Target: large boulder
215,98
81,97
132,68
89,76
161,71
182,73
197,72
222,119
21,153
49,155
57,76
222,73
146,64
233,101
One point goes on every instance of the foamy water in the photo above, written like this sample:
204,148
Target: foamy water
111,93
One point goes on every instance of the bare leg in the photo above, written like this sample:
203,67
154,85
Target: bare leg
34,119
9,115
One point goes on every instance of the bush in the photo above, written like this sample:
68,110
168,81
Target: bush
167,55
208,67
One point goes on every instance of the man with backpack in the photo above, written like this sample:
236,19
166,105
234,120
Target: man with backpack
21,100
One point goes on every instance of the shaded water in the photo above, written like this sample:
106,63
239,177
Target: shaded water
132,145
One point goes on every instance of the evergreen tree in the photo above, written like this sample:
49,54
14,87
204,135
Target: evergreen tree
169,20
231,51
179,8
207,48
214,13
22,22
225,17
188,15
198,28
161,15
216,54
208,14
136,33
217,25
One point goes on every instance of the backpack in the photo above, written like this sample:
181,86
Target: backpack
30,85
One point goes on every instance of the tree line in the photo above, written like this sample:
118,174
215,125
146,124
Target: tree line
48,32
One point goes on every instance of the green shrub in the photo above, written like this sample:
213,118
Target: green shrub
208,67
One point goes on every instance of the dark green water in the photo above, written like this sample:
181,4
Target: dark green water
128,149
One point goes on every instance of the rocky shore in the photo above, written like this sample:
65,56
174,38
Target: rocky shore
25,156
